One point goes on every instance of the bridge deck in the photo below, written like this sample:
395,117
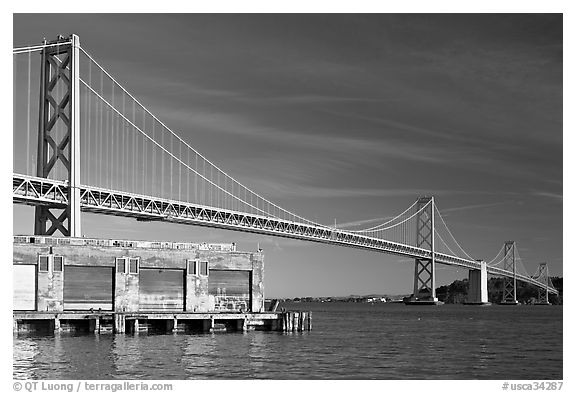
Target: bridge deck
41,191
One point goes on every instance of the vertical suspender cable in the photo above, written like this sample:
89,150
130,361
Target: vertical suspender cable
88,115
99,129
99,140
28,119
171,171
123,128
88,132
154,174
162,156
134,148
210,201
116,130
203,193
144,154
180,176
84,115
14,99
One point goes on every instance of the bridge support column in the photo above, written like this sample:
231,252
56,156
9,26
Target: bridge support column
478,286
509,284
59,134
425,268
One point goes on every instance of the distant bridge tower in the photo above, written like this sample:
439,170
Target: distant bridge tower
542,276
59,133
509,287
424,268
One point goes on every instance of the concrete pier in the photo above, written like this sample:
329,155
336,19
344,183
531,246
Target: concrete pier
121,286
478,286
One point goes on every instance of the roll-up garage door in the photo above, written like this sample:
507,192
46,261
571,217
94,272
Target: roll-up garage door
161,289
87,287
231,289
24,283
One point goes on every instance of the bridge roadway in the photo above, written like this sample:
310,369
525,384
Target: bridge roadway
32,190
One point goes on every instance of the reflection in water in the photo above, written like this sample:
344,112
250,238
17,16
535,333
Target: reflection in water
199,355
25,353
141,355
126,355
349,341
258,354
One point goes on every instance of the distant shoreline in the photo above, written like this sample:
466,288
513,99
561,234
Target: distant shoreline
343,299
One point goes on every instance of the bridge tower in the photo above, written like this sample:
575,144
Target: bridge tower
542,276
59,133
424,268
509,287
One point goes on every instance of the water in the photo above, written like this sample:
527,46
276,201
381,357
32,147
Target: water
348,341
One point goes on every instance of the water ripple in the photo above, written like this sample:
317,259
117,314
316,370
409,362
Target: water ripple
349,341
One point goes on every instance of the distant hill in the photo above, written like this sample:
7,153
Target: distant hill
457,291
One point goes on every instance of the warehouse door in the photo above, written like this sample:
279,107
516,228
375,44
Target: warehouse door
24,284
231,289
161,289
88,287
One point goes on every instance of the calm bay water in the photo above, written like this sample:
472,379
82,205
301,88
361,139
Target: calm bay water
348,341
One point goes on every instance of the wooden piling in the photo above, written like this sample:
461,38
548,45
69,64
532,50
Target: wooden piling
171,325
287,321
94,325
119,323
294,321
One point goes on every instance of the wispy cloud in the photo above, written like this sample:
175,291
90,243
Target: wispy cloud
348,147
443,211
361,222
281,189
550,195
472,207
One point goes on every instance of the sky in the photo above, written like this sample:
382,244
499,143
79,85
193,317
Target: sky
349,117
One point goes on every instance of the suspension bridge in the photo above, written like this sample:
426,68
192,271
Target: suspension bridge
88,145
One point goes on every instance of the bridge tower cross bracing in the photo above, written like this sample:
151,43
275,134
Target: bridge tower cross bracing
509,284
543,275
424,268
60,67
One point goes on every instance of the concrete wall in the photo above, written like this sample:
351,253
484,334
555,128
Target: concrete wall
126,287
50,291
126,292
257,260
